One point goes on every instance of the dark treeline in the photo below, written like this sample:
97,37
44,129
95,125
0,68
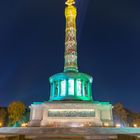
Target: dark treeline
125,117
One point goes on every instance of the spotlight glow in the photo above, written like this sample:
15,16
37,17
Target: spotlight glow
106,124
118,125
135,125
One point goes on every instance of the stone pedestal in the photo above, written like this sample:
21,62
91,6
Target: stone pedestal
71,114
36,114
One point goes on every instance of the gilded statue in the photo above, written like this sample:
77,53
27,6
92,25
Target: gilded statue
70,2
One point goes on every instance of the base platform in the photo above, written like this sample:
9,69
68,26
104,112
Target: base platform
70,114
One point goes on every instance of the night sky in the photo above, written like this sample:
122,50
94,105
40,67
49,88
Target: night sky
32,47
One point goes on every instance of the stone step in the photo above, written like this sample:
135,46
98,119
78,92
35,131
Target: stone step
88,133
13,137
63,137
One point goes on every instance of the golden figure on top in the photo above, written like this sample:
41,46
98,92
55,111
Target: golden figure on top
70,2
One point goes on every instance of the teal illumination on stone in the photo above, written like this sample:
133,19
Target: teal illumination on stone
37,103
73,86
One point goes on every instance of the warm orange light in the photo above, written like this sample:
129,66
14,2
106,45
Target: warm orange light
0,124
118,125
24,124
106,124
135,125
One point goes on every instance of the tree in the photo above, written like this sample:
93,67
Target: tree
16,112
137,122
3,115
120,114
134,118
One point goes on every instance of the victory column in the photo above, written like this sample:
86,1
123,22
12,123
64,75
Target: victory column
71,103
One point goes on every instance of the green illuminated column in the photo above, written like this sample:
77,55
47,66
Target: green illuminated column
71,85
70,38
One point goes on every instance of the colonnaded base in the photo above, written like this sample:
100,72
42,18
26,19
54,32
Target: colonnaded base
70,114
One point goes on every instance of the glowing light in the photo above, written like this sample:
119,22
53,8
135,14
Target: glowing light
71,87
106,124
63,88
118,125
24,124
135,125
75,125
0,124
70,2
